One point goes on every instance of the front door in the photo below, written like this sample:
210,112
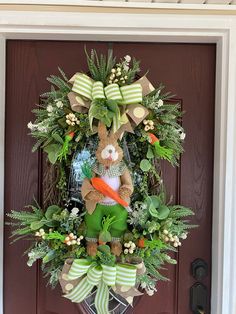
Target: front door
188,71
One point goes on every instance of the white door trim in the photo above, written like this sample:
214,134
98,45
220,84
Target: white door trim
156,28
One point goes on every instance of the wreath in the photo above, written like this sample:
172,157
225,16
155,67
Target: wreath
107,225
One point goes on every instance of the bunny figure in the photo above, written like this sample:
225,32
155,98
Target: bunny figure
110,167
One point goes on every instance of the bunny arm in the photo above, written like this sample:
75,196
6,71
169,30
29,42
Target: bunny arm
126,188
85,190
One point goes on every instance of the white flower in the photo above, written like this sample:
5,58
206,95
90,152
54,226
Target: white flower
59,104
184,236
49,108
182,136
74,211
150,292
143,285
30,125
160,103
126,251
113,70
126,68
127,58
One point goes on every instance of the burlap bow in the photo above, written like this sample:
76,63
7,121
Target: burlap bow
129,97
79,276
101,276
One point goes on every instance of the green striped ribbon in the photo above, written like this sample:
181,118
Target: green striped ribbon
125,275
83,85
131,94
112,91
86,87
100,276
98,91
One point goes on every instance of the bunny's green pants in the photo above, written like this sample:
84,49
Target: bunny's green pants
94,221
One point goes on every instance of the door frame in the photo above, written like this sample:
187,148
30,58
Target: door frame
88,24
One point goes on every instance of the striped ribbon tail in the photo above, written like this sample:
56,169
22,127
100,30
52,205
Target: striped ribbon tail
85,286
83,85
102,298
131,94
126,275
112,91
109,275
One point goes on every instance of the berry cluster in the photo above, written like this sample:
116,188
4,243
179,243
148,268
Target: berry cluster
149,125
130,247
168,237
72,239
41,234
71,119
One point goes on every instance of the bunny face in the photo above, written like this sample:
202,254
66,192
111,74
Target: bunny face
108,152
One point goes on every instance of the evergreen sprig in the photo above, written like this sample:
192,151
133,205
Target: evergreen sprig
100,66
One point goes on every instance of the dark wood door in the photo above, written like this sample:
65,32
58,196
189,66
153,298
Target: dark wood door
187,70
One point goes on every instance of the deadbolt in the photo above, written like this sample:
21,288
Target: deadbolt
199,269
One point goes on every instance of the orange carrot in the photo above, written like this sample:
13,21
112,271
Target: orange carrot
141,243
106,190
152,138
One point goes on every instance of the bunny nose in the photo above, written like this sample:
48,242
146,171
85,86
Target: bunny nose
110,151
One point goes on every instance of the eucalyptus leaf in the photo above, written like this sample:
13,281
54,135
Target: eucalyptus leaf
145,165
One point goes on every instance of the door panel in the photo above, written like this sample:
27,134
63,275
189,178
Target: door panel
187,70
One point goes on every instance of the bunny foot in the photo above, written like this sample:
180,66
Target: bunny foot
92,248
116,248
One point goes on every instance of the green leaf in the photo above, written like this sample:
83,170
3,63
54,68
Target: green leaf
35,225
58,138
51,223
163,212
153,200
49,256
153,211
150,154
104,248
145,165
51,210
53,151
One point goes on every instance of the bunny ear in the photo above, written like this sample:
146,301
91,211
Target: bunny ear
117,134
102,130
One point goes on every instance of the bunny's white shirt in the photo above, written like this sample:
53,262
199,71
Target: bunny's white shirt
114,183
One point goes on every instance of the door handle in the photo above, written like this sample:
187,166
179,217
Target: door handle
200,311
198,298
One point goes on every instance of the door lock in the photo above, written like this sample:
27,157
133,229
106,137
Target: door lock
199,269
